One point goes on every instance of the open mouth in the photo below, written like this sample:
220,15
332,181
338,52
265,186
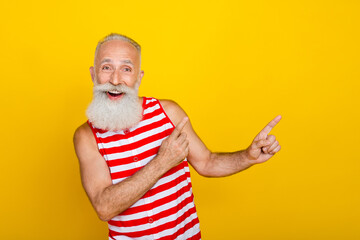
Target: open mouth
114,94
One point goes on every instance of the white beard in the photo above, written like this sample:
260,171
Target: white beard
114,115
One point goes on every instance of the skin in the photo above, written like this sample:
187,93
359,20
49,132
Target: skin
118,62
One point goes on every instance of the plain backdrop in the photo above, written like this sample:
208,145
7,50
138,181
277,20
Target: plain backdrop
233,66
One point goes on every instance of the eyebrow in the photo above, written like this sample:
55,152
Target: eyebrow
107,60
127,62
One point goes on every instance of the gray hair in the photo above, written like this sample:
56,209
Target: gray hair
116,36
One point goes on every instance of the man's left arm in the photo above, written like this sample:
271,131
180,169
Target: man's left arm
210,164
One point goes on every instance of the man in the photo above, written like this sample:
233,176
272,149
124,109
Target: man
134,152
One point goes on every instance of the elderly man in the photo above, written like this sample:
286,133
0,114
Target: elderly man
134,152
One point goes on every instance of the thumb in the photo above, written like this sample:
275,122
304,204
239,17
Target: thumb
261,143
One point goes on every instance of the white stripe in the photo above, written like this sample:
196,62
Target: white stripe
151,109
173,204
171,231
150,100
161,195
152,132
141,124
149,121
166,193
169,178
190,232
148,237
139,150
156,210
141,136
159,209
187,234
125,167
122,237
109,134
161,181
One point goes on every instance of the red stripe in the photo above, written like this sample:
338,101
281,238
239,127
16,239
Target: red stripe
127,160
168,225
130,172
125,173
180,231
149,127
156,217
111,236
137,131
151,104
189,225
167,185
175,210
176,168
159,202
140,143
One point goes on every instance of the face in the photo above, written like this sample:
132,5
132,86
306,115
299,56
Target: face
118,63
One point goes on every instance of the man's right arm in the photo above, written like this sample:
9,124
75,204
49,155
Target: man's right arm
110,199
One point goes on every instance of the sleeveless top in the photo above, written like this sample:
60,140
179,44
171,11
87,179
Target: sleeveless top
167,210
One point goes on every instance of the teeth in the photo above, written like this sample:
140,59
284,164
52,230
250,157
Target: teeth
115,92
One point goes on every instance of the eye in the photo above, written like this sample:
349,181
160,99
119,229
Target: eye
106,67
127,69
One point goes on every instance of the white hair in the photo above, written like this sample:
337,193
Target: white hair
117,36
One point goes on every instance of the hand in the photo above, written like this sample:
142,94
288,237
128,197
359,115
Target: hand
175,148
263,146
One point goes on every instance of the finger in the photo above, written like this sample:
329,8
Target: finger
186,151
266,130
271,139
182,137
273,146
185,144
179,127
276,150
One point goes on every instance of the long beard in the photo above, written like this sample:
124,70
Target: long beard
114,115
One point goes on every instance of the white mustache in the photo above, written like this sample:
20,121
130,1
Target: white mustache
106,87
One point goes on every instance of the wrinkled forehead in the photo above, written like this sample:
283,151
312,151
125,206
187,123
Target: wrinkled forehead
117,50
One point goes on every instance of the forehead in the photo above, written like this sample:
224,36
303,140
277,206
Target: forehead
118,50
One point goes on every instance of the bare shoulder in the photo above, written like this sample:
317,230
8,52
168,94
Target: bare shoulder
173,110
83,138
83,131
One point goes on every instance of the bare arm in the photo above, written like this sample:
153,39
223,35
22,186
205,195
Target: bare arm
109,200
211,164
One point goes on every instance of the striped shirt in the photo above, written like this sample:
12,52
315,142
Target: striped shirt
167,210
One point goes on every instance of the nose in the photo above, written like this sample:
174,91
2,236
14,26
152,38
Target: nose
116,78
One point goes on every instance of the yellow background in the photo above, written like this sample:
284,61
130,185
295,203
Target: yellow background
233,66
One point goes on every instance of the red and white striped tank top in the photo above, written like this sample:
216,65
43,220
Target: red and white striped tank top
167,210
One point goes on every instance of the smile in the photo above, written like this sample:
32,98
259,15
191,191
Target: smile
114,95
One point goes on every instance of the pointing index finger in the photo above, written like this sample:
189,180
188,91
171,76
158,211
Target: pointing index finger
178,129
270,125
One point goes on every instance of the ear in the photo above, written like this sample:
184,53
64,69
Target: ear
137,84
92,73
141,76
